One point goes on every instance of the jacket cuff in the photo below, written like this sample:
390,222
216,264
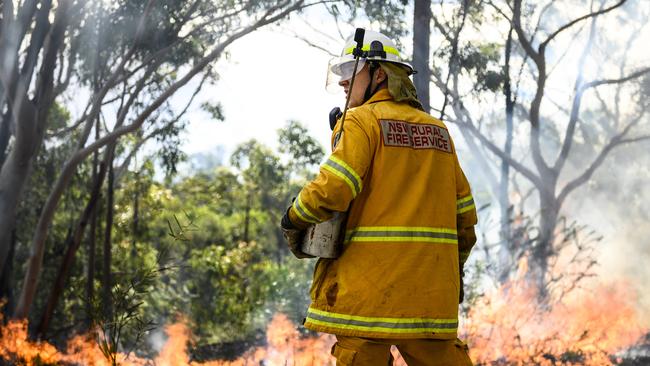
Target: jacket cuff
296,221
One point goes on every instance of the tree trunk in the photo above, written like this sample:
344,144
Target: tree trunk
13,177
107,305
30,131
136,214
72,246
92,240
6,293
5,134
506,249
543,249
421,38
90,274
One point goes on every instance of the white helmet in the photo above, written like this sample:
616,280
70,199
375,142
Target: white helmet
376,47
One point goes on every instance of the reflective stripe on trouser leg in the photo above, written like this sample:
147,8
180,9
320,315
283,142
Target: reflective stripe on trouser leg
381,325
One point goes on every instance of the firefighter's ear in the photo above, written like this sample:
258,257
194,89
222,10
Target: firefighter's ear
380,76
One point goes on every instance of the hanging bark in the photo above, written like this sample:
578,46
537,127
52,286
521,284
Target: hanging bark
421,39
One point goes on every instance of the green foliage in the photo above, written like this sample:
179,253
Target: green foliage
215,110
303,150
482,61
126,322
206,245
220,228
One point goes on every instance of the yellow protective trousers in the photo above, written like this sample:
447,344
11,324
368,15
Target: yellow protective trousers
355,351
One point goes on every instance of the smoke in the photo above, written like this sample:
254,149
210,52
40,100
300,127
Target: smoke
615,205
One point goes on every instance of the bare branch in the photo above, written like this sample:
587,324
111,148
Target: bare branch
634,75
616,141
577,101
489,144
122,168
578,20
312,44
523,39
635,139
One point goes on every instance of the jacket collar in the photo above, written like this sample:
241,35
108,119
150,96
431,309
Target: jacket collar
379,96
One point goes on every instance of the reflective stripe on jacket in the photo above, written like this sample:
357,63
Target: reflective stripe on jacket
409,229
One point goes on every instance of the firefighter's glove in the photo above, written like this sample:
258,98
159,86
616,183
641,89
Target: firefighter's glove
461,293
294,236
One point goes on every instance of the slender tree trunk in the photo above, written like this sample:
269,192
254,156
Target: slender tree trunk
90,274
5,134
107,306
136,213
6,293
72,246
92,240
504,201
421,38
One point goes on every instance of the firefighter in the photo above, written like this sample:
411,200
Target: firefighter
410,226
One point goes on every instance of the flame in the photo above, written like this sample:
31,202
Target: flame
285,347
13,341
586,328
507,326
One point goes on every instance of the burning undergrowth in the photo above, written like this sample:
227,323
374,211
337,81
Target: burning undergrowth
506,326
595,326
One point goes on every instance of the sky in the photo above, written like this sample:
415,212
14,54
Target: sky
271,77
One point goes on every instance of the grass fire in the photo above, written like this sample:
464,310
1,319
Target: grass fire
323,182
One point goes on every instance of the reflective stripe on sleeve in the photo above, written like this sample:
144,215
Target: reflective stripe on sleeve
303,212
381,325
402,234
342,170
465,204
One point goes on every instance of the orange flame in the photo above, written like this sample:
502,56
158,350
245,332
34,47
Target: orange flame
506,325
584,329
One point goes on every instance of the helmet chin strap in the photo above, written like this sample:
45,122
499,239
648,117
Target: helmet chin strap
372,68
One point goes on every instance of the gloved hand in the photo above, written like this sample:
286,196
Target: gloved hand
461,294
294,236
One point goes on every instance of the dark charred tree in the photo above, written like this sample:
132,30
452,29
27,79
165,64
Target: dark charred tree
421,50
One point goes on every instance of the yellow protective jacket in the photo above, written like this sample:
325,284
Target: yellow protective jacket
410,225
